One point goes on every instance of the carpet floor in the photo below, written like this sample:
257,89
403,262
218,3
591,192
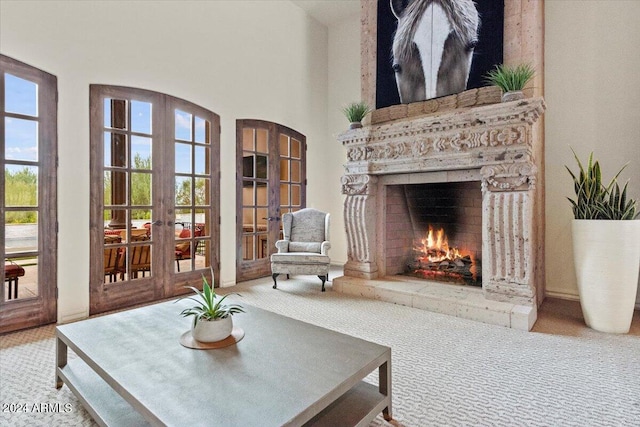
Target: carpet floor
446,371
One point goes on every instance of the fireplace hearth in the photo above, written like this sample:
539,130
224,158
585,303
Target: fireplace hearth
491,150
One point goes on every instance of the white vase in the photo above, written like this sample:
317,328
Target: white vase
212,330
606,255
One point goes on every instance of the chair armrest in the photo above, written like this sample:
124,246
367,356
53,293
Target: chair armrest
283,246
324,248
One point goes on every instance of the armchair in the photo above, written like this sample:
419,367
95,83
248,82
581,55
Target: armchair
305,246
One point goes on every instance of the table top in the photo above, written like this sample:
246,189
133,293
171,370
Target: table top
282,372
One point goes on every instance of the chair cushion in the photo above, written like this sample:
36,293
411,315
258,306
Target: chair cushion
304,247
183,247
13,271
300,258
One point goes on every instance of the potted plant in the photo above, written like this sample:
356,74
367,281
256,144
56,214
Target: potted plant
355,112
606,249
511,79
212,319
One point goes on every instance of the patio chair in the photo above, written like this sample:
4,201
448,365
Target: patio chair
12,272
305,246
140,256
183,249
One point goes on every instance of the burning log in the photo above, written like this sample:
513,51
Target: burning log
433,258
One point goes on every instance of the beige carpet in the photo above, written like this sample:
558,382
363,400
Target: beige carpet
446,371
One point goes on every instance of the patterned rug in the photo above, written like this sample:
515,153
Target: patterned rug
446,371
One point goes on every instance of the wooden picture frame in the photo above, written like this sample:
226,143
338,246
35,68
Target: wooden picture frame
523,43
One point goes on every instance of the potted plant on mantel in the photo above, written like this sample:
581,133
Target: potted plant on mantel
212,319
606,249
511,79
355,113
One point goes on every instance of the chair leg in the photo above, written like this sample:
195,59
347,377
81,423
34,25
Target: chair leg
275,284
323,278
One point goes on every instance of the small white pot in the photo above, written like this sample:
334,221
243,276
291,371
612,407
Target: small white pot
515,95
606,255
212,330
355,125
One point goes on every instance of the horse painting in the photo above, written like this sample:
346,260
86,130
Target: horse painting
433,47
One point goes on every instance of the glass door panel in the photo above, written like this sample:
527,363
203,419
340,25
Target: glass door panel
127,190
255,190
192,177
21,173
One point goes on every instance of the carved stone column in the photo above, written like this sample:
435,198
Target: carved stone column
360,223
508,237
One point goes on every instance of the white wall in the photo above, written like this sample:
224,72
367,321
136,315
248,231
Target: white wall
592,91
344,87
240,59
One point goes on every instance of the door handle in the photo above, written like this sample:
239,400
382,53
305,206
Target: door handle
156,222
272,218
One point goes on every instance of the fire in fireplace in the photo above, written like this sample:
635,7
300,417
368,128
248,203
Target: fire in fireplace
433,258
434,231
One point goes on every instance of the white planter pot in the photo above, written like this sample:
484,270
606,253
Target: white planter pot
606,255
212,330
512,96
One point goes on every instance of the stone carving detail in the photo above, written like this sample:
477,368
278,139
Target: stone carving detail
507,250
356,154
355,221
357,184
509,177
420,146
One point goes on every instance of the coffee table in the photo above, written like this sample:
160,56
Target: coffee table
131,370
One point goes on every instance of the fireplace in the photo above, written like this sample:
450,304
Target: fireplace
472,172
434,231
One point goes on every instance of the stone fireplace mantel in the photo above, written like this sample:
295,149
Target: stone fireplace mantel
498,145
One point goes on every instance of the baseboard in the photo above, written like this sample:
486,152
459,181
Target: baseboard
73,317
562,295
572,297
227,283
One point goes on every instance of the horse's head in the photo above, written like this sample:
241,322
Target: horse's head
433,47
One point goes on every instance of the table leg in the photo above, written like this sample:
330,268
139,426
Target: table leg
384,380
61,359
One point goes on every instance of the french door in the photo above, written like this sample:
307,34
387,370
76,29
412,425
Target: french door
155,196
28,205
271,171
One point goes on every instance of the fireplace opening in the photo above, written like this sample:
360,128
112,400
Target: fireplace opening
434,231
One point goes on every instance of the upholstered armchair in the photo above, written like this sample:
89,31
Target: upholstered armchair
305,246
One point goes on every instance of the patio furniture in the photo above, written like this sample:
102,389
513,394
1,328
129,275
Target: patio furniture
111,257
140,257
305,247
183,249
12,272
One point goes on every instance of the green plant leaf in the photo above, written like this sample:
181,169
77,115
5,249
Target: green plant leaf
509,78
356,111
593,199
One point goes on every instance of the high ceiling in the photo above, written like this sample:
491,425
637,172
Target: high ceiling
328,12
